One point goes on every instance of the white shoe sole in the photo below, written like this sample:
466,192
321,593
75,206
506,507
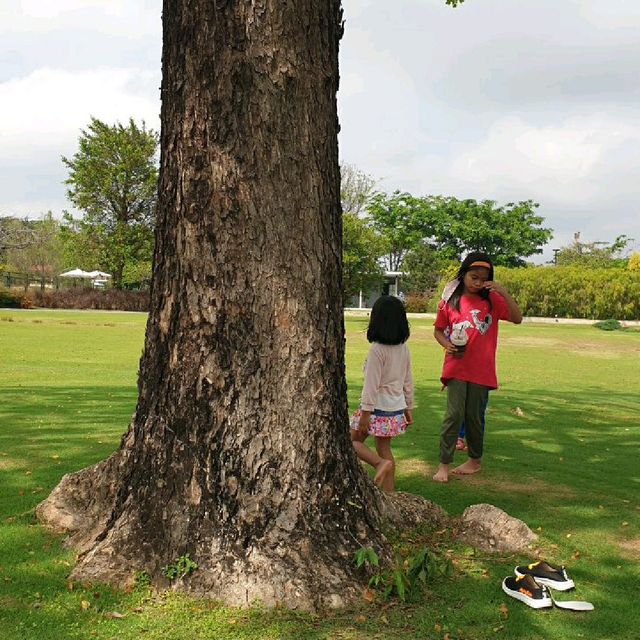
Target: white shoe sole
553,584
543,603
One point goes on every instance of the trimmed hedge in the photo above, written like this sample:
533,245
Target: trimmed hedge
15,299
570,292
416,303
85,298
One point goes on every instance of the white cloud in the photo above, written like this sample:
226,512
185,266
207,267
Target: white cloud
50,106
606,14
561,162
136,17
44,9
42,115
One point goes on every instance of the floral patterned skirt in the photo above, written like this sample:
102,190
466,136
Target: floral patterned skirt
383,424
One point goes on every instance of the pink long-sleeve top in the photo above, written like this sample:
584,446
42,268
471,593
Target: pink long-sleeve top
388,383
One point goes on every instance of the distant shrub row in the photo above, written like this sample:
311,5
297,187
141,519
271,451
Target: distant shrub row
76,298
84,298
15,299
574,292
566,292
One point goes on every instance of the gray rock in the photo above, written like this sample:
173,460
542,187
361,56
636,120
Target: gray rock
491,529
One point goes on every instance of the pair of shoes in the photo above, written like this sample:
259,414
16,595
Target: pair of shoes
527,590
461,445
545,574
532,584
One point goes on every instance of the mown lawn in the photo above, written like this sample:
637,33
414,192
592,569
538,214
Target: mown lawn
566,463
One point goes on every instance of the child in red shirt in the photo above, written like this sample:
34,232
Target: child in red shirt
469,319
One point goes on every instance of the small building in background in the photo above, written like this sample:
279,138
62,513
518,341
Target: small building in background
391,284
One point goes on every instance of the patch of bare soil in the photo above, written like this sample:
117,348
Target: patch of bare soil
531,487
413,466
581,347
526,341
631,548
6,464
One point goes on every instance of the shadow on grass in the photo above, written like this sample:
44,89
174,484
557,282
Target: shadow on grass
49,431
551,466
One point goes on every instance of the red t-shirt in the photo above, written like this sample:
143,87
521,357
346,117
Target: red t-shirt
481,325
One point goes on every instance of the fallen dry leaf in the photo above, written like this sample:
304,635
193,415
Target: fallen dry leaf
360,619
504,610
85,604
114,615
369,595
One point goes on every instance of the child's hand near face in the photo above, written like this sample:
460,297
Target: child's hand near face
492,285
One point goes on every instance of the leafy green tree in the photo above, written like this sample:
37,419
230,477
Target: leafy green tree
37,250
593,254
423,267
634,261
113,179
508,233
403,221
356,189
15,233
80,247
361,250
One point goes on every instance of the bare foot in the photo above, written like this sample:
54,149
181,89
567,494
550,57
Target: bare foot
442,474
382,470
467,468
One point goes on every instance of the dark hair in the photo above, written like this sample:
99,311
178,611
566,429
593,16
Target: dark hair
474,256
388,322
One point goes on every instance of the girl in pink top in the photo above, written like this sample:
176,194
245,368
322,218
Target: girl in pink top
387,397
467,327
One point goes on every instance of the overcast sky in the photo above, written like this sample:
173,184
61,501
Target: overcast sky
500,99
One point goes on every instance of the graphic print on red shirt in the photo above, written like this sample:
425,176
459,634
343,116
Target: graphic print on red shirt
480,322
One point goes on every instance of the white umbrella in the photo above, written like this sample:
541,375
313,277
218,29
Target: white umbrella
76,273
98,274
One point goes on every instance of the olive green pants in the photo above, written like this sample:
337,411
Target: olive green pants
465,403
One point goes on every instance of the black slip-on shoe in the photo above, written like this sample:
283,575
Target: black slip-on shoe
527,590
545,574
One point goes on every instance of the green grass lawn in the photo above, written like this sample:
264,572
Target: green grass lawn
566,463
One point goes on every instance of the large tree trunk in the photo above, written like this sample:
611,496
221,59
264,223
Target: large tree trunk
238,453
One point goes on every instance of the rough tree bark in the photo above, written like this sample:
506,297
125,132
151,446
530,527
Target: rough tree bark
238,452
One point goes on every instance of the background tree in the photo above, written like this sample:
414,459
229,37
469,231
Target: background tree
41,257
15,233
422,268
356,189
361,246
113,179
361,250
245,333
402,221
508,233
593,254
80,247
